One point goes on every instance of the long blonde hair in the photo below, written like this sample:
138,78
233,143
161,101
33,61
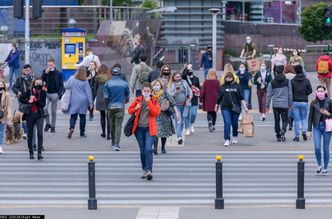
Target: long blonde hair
212,74
81,73
229,68
4,85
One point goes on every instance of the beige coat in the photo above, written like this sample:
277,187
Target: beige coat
6,106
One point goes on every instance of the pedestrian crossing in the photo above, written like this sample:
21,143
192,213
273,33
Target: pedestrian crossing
180,179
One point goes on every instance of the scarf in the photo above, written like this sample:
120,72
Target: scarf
158,94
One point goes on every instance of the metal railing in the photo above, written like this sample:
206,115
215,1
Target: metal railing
55,18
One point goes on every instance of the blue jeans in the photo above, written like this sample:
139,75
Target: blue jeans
230,119
145,141
191,118
300,111
13,71
318,133
182,119
206,71
2,133
246,93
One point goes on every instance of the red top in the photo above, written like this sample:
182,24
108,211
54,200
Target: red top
154,109
325,58
209,94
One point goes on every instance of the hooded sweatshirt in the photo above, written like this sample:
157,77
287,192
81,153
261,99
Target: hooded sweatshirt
325,58
279,92
301,87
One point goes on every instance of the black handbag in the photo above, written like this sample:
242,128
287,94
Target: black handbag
128,129
170,111
24,108
235,108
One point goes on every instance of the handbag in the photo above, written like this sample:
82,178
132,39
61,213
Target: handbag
65,101
24,108
328,125
164,105
128,129
2,108
235,108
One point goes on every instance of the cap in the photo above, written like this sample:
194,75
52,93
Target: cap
209,47
116,71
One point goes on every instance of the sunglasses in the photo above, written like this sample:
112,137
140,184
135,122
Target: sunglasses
166,70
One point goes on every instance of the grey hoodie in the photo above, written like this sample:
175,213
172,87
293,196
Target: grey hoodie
279,92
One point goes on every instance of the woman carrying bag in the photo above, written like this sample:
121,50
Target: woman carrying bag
5,112
146,109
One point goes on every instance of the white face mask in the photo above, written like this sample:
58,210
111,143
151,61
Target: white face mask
248,41
156,88
263,68
242,70
280,52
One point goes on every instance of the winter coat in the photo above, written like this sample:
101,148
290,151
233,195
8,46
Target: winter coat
279,92
301,88
6,107
98,91
209,94
13,59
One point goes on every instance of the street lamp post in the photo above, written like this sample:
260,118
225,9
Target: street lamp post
111,10
215,12
27,32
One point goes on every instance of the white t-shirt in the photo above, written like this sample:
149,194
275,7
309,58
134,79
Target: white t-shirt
86,61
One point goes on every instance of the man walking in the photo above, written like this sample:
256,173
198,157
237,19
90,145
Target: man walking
88,58
116,95
139,75
155,74
280,93
324,71
54,82
206,61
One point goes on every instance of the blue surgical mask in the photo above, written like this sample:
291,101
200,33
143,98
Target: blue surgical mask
156,88
146,94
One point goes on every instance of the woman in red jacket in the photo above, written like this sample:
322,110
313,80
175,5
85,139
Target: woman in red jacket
209,94
147,109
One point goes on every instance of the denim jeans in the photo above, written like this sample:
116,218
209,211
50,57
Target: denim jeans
13,71
230,119
2,133
191,118
206,71
318,133
73,118
246,93
145,141
182,119
300,111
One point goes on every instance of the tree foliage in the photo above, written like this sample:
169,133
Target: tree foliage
312,26
117,2
151,4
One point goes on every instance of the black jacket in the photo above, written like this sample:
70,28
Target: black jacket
301,87
195,82
58,81
41,100
23,85
155,74
314,113
230,94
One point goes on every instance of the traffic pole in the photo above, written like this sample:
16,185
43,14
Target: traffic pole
92,202
300,201
219,201
27,33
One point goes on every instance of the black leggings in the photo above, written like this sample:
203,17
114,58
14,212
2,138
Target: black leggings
33,119
104,122
163,142
212,117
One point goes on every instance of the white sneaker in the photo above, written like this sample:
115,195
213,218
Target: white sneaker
240,117
263,117
234,140
319,170
180,140
226,144
192,130
1,151
324,172
24,136
187,132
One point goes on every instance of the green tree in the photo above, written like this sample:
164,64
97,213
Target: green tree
117,2
151,4
312,28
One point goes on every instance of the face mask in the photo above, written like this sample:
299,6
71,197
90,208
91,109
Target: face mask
146,94
177,80
263,68
320,95
248,41
280,52
242,70
2,88
38,87
166,73
156,88
190,73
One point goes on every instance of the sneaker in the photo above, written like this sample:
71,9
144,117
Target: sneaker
192,130
1,151
52,130
90,117
226,144
187,132
83,136
263,117
324,172
144,175
240,117
149,175
296,139
304,136
47,127
213,127
180,140
25,136
163,150
70,133
283,138
117,148
319,170
278,138
234,140
210,127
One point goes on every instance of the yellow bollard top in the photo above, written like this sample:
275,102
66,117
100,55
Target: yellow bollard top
300,157
91,158
218,158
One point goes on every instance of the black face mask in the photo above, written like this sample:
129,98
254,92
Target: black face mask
228,82
166,73
190,73
38,87
2,88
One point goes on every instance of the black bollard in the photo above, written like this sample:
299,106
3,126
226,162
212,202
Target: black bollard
92,202
219,201
300,201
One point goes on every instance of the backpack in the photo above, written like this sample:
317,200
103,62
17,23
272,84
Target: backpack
323,67
144,74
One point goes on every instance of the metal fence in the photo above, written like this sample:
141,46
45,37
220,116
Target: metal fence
55,18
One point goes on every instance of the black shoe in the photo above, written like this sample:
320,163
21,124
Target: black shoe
103,135
34,147
163,150
210,127
108,138
155,151
90,117
31,155
283,138
40,157
42,148
84,136
304,136
149,176
278,138
47,127
52,130
296,139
